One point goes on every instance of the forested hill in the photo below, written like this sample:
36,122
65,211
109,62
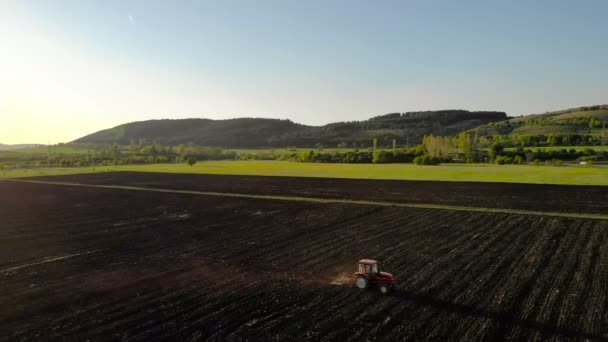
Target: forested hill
575,126
406,128
236,133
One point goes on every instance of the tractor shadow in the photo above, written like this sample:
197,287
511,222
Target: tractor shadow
505,319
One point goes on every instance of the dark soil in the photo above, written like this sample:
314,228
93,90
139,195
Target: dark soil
188,267
555,198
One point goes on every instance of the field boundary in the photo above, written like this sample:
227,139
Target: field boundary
323,200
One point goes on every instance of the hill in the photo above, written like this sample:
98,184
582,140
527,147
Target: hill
243,132
407,128
575,126
4,147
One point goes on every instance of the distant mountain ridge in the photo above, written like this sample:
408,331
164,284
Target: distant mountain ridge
406,128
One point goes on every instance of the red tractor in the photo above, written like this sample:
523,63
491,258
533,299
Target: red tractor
369,274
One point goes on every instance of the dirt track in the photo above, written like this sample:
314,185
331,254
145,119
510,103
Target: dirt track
84,263
557,198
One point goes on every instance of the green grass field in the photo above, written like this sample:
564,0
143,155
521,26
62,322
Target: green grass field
574,175
298,150
559,148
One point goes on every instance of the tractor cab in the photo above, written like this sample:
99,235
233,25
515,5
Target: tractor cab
368,273
368,267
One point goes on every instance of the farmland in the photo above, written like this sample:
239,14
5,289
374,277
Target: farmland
559,148
573,175
544,198
118,264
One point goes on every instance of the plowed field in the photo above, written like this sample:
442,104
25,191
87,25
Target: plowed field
82,263
556,198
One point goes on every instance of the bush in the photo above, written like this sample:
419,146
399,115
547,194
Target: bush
554,162
497,149
309,156
191,161
376,156
417,150
427,160
502,160
588,152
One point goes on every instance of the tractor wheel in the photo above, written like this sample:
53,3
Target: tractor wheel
361,282
384,289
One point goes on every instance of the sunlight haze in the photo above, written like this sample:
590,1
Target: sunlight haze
70,68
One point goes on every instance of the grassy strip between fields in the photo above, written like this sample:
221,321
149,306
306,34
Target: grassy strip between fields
326,200
567,175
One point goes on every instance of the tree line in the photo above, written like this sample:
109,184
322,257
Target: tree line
465,147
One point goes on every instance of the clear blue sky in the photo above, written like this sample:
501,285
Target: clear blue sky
73,67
